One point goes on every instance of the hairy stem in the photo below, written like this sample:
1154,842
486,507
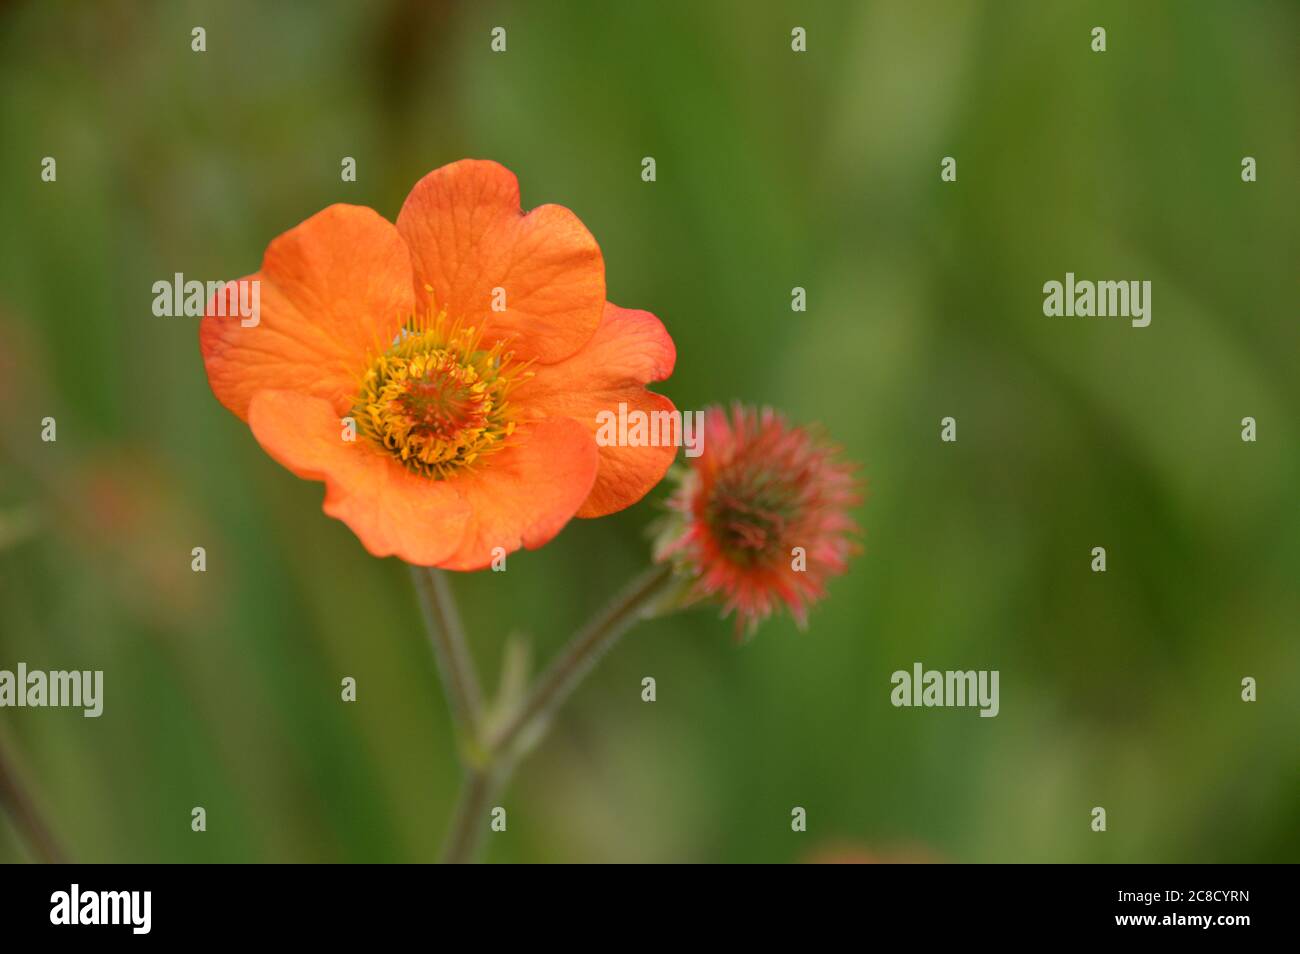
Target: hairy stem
472,808
455,664
582,653
489,761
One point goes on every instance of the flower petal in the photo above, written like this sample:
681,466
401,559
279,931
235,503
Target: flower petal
391,510
469,237
525,493
333,290
628,350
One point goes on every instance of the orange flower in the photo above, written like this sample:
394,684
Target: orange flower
472,347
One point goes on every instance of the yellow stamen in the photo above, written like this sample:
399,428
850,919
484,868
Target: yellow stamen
436,399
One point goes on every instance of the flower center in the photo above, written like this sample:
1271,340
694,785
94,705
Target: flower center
436,400
749,518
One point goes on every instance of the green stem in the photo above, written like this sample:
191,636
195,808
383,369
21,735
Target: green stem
563,676
489,762
455,664
472,808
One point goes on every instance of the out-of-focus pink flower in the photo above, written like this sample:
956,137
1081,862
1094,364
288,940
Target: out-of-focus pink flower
850,853
761,517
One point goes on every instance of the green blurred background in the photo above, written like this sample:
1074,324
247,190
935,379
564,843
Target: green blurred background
775,169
